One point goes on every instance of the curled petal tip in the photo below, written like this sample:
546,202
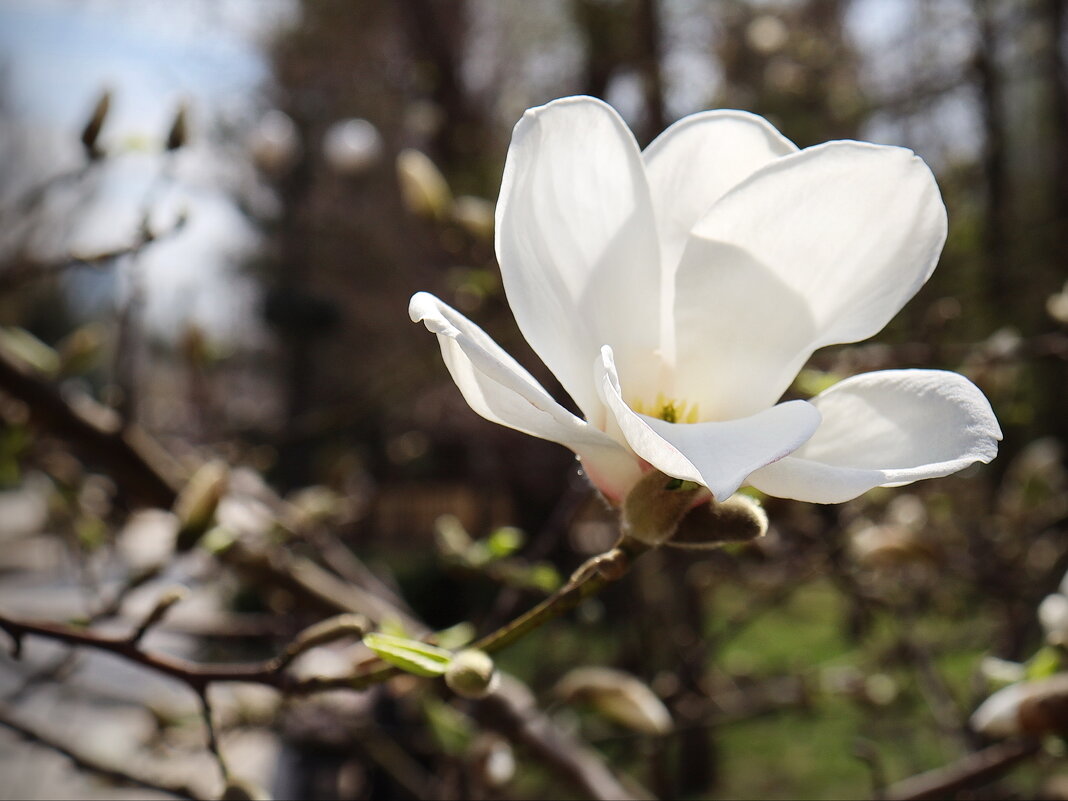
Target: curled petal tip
426,309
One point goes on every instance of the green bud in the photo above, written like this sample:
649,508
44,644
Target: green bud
471,674
196,504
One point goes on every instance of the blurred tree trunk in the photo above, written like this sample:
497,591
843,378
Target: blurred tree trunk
437,33
994,161
602,26
1056,80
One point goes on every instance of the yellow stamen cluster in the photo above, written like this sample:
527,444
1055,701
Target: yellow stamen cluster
670,411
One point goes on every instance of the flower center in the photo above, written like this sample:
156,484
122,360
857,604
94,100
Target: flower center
670,411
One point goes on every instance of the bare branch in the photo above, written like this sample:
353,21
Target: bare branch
127,453
974,769
27,269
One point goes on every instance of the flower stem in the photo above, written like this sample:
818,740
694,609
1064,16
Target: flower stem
590,578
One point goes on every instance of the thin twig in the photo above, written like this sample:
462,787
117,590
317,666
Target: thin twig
29,269
593,576
196,675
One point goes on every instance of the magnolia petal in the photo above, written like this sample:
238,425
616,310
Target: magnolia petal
742,331
500,390
717,455
694,162
886,428
843,233
577,243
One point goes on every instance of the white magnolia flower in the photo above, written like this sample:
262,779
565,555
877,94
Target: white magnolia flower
676,292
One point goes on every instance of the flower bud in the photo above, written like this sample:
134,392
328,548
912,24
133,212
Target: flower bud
712,524
1002,671
618,696
474,215
178,136
91,132
655,506
1034,708
492,756
82,349
424,189
890,545
352,146
1053,615
275,142
471,674
196,503
1057,305
243,790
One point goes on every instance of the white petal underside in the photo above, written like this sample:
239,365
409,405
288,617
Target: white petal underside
500,390
577,244
718,455
820,247
886,428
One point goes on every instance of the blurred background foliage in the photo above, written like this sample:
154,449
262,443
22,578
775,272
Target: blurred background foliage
213,217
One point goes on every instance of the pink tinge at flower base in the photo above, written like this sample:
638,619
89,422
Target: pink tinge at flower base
676,292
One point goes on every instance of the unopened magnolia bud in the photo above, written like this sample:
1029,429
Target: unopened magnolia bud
474,215
452,538
275,142
471,674
889,545
712,524
178,136
493,758
1057,305
1053,615
1002,671
243,790
196,503
655,506
81,350
352,146
1034,708
423,188
618,696
91,132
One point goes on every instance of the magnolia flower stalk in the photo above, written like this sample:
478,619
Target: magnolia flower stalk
676,292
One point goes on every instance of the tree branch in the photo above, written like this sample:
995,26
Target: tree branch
127,453
968,771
